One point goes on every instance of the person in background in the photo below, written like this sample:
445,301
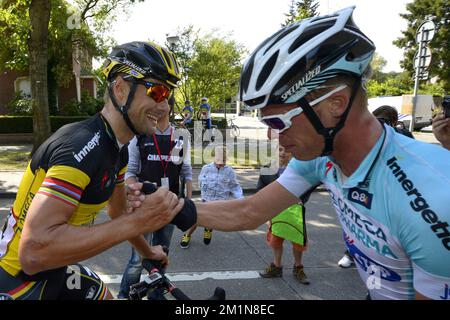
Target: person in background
389,115
205,113
441,124
161,158
288,225
188,113
217,181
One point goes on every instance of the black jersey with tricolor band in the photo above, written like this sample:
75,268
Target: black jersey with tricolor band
80,164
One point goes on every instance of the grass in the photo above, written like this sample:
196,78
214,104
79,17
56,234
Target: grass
14,160
243,156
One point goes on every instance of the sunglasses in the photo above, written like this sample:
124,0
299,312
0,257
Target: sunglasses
156,91
282,122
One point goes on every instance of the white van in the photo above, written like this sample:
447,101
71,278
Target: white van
404,104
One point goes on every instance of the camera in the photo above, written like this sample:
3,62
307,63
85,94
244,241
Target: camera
446,106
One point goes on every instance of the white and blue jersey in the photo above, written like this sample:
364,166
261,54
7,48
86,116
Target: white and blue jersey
395,213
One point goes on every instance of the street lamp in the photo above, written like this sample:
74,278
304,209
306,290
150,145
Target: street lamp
172,40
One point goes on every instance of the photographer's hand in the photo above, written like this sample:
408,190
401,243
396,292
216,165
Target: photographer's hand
441,129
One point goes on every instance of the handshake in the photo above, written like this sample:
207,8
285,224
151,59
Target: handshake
187,216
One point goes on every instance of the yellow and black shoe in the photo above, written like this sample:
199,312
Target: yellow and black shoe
207,235
184,244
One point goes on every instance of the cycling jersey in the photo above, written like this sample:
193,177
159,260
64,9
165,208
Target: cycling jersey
394,213
79,165
205,111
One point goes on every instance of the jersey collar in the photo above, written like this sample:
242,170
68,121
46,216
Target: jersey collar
109,131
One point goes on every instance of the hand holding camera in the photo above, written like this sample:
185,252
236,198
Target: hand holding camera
441,124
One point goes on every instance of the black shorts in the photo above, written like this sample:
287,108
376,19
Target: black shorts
74,282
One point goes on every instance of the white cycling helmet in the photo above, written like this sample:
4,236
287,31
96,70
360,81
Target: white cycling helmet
301,56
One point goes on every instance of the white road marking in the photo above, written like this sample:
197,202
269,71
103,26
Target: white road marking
189,276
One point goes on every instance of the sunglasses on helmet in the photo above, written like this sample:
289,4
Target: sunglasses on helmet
156,91
282,122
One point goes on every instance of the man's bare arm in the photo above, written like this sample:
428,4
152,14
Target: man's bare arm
48,242
247,213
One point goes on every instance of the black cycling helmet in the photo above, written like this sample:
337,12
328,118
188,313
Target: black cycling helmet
143,59
139,60
302,56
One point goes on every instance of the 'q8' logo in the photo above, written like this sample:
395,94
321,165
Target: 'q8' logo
360,197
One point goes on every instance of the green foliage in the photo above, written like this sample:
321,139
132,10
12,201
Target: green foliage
24,124
221,123
88,106
434,89
300,10
70,108
397,84
20,105
14,28
439,12
377,64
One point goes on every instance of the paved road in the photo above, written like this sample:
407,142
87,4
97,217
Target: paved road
233,261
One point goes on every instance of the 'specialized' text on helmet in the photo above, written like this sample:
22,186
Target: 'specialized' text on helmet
141,60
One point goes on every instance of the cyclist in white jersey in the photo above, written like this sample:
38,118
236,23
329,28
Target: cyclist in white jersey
391,193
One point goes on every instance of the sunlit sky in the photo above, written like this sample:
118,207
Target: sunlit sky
251,21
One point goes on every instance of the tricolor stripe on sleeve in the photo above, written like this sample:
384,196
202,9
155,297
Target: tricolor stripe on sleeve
61,190
121,176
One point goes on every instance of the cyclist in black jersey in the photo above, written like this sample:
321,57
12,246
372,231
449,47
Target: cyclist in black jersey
78,171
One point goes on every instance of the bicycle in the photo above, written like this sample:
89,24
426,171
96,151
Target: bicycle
157,280
234,129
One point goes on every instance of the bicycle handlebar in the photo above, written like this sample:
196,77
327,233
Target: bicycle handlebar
157,279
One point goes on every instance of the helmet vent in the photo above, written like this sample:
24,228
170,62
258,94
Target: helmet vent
281,36
246,74
266,70
310,33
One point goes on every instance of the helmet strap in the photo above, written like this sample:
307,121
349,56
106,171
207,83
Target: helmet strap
124,109
329,133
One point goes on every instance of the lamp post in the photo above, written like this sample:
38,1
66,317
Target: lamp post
172,40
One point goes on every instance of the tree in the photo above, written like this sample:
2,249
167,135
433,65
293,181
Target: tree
300,10
37,49
439,12
211,67
377,64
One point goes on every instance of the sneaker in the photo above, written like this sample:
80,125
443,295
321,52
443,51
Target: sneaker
185,241
300,275
207,234
272,271
346,261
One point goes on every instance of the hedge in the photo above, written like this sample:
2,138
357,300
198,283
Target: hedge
24,124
